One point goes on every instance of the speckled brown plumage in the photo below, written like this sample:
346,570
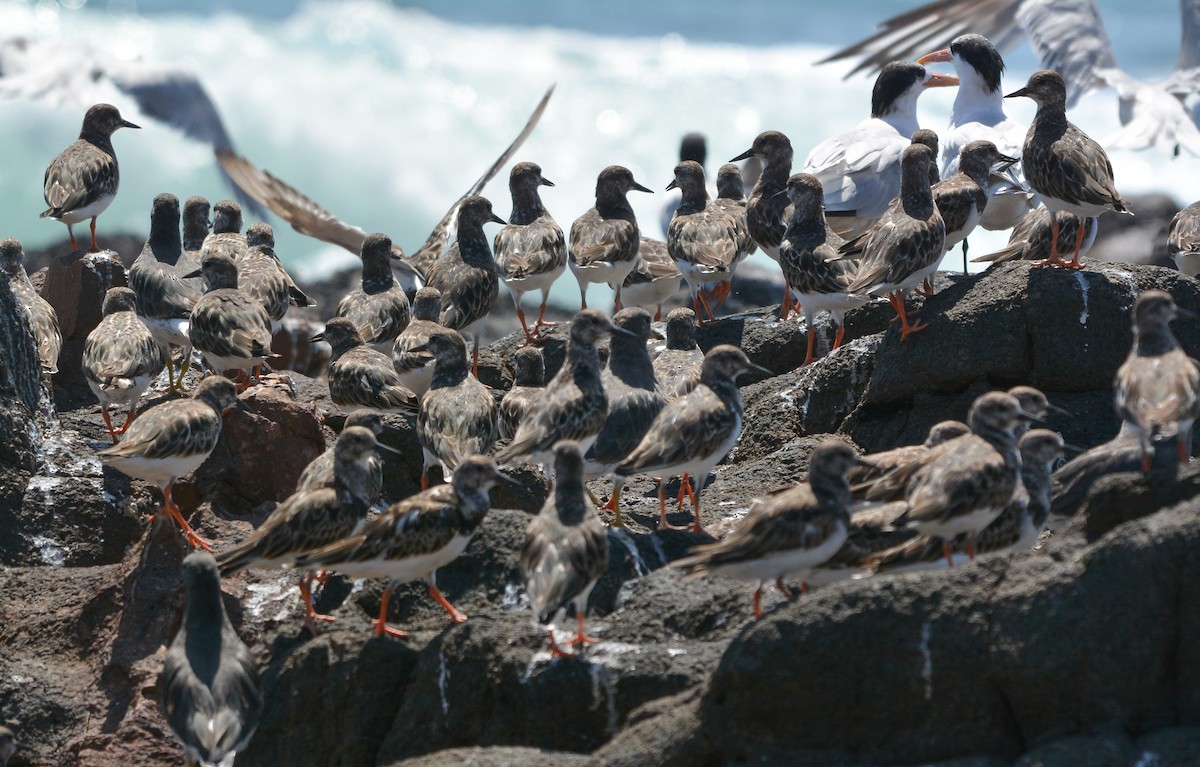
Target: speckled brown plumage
42,318
458,415
605,239
529,381
228,326
415,369
360,376
379,307
466,273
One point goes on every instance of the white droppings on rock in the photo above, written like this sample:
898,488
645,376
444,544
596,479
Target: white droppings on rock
659,551
1121,276
1148,759
51,552
276,596
443,678
626,540
1083,290
514,597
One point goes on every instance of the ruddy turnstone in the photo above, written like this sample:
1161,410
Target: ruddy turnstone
208,690
379,309
1066,167
165,294
172,439
703,240
906,243
808,257
458,415
415,537
633,400
229,327
226,235
82,181
1035,403
565,551
693,433
415,369
310,519
42,319
765,210
196,225
8,745
693,146
860,169
731,197
1158,385
531,252
1183,240
653,280
962,485
466,274
1030,238
529,381
978,114
120,356
884,462
360,376
574,405
677,367
320,471
605,239
930,139
792,532
261,276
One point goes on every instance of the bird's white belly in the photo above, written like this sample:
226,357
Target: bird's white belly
87,211
782,563
409,568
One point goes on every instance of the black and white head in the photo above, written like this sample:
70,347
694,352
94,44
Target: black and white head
727,362
900,83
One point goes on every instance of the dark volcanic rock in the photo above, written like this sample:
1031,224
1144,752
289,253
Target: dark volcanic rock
496,756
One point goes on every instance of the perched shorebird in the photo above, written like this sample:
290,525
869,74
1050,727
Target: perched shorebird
1158,385
1067,168
320,471
1071,482
415,537
574,405
1183,240
120,357
416,370
458,417
693,433
633,401
791,532
963,198
531,252
208,690
703,239
886,461
82,181
1015,529
1030,238
605,239
653,280
42,319
960,486
765,210
466,274
906,243
731,198
693,146
262,277
165,293
1034,402
978,114
677,367
860,169
808,257
229,327
379,309
310,519
197,223
226,235
172,439
565,551
529,382
360,376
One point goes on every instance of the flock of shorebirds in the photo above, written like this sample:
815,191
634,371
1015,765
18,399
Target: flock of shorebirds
870,217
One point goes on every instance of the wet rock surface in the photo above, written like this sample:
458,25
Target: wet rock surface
1082,652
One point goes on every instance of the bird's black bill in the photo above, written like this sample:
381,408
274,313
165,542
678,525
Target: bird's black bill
744,156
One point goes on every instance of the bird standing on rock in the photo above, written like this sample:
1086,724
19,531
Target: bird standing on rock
379,308
1063,164
229,327
416,369
226,235
765,210
360,376
120,357
605,239
704,240
42,319
531,252
529,381
82,181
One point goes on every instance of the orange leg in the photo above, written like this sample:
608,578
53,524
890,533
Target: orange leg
475,357
311,616
580,636
95,248
71,234
541,313
455,615
897,299
1074,262
685,491
1054,260
425,479
809,358
696,526
948,552
555,650
658,314
170,509
927,286
786,307
380,623
617,300
783,589
758,602
110,431
837,339
971,548
662,508
531,337
128,419
614,505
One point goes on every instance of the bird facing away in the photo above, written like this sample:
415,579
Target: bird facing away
566,549
693,433
165,293
120,357
261,275
1158,386
1183,240
82,181
458,417
42,318
531,252
415,537
653,280
529,381
229,327
226,235
208,690
884,462
1030,238
677,367
791,532
172,439
605,239
310,519
360,376
1063,164
379,308
416,369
